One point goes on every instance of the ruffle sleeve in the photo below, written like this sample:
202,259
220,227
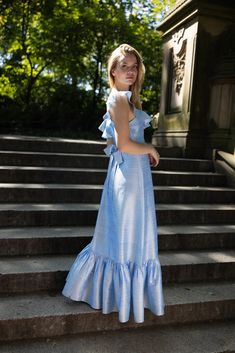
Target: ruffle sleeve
113,96
146,120
106,126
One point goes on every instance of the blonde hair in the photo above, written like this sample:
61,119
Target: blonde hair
115,57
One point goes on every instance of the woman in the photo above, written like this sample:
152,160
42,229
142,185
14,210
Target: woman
120,270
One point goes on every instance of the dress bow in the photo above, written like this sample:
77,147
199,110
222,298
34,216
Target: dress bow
112,151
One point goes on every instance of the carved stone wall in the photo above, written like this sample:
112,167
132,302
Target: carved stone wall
221,115
197,107
222,104
176,73
222,97
176,86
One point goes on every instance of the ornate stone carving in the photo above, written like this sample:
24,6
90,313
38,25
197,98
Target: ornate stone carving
178,60
176,71
177,36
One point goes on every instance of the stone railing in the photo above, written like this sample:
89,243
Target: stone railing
224,162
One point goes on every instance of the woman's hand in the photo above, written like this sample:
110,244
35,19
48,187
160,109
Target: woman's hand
154,157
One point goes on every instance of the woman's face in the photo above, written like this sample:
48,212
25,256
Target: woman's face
125,72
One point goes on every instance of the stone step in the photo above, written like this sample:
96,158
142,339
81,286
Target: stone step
21,174
73,160
35,315
72,214
46,273
62,193
50,144
55,144
71,240
215,337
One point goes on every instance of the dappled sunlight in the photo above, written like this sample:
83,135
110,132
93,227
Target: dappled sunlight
33,264
48,139
222,256
195,187
196,257
39,304
179,172
196,229
48,207
49,168
196,207
214,228
50,186
45,232
53,154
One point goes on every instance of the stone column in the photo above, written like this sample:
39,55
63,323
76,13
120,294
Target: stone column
197,111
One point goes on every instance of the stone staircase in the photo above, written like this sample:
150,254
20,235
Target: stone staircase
49,197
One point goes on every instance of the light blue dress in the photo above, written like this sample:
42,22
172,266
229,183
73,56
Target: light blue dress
119,269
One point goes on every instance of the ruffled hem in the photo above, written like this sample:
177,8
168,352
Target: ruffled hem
110,286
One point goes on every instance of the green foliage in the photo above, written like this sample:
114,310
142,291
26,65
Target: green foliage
53,57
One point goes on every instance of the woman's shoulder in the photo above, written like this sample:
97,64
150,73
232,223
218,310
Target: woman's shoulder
114,94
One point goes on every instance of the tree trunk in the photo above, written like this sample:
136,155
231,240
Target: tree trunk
97,73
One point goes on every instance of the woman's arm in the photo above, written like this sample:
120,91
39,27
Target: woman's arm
119,114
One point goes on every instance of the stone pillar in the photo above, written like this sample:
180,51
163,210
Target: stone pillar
197,108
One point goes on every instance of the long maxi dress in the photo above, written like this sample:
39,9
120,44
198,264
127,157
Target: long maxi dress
119,270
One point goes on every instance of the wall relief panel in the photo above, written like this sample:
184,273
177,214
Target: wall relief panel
176,72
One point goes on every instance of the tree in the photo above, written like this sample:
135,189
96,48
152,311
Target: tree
60,47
